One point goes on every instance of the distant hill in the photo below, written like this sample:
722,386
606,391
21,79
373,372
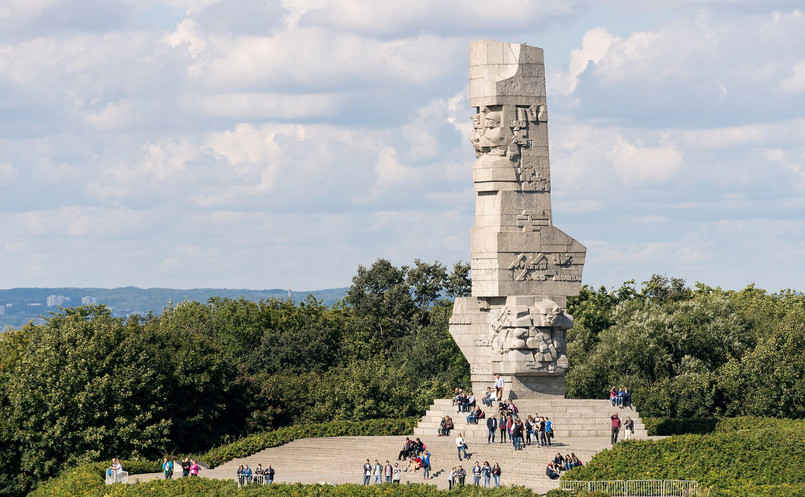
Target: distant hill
18,306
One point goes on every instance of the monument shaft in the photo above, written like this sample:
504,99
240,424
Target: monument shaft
523,267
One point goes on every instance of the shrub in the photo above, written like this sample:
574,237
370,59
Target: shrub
679,426
733,457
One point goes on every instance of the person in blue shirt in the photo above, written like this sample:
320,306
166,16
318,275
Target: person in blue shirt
167,468
548,430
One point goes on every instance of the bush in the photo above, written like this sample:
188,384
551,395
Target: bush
735,456
679,426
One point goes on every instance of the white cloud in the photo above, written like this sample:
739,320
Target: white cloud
796,82
594,46
8,173
641,165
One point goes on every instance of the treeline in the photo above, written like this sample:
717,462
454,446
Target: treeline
690,352
87,386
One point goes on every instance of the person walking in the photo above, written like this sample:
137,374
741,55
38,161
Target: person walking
492,426
461,446
548,430
186,467
616,426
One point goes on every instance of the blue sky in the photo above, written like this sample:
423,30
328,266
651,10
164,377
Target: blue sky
268,143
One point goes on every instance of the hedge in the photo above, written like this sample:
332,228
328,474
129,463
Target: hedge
197,487
680,426
741,457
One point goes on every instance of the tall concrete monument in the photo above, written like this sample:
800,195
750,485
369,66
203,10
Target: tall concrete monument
523,267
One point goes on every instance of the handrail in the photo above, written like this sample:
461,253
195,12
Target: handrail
635,488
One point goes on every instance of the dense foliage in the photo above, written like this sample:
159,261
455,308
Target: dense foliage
690,352
742,456
87,386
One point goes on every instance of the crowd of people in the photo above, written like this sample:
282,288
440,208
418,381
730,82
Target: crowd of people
621,397
246,475
487,473
381,473
561,463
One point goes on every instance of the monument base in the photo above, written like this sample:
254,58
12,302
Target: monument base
523,377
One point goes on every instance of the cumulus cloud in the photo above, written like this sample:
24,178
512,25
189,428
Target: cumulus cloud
176,142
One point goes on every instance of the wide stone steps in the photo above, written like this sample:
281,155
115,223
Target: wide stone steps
570,418
340,459
582,427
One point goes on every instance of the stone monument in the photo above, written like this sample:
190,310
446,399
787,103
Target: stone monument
523,267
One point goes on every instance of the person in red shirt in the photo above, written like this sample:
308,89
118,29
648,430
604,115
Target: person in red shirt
616,426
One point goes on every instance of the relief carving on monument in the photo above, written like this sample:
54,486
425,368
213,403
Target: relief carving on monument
538,331
539,267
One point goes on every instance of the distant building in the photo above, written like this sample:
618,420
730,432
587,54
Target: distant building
57,300
88,300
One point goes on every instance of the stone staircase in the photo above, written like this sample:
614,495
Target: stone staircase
582,427
570,418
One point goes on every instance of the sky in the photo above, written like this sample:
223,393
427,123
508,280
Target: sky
283,143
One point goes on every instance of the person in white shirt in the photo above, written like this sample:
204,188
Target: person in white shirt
498,387
461,446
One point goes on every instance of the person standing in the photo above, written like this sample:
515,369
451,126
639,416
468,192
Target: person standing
269,473
186,467
451,478
548,430
167,468
462,475
476,474
498,388
502,427
492,426
486,472
496,474
461,446
388,471
616,426
377,471
194,468
541,427
426,465
396,475
628,428
367,472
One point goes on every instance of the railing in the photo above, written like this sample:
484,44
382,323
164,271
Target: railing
251,480
635,488
116,476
